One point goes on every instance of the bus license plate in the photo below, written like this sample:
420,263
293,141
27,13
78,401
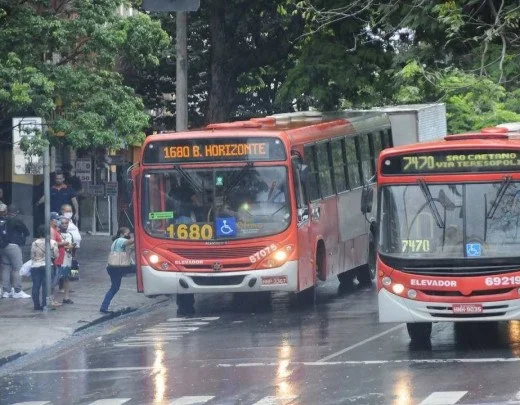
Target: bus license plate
467,308
274,280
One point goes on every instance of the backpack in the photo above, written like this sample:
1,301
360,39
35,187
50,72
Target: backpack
4,239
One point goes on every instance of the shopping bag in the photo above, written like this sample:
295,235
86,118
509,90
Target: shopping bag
119,259
25,270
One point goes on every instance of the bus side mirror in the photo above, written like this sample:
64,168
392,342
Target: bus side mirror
367,199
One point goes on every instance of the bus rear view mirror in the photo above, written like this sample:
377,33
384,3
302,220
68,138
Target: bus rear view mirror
367,199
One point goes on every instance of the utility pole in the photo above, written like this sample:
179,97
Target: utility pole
181,86
47,205
181,71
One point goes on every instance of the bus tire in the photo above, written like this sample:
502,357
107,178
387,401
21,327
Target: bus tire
185,304
419,332
306,297
367,273
346,279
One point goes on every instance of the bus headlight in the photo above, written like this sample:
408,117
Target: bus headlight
398,288
387,281
279,257
157,262
412,294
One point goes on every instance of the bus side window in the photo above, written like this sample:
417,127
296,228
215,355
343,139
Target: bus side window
377,141
324,170
339,164
299,189
354,176
386,137
312,178
366,163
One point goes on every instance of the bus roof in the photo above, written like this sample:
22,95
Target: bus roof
499,137
295,125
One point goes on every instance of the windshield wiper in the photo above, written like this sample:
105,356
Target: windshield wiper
500,194
188,178
236,179
426,191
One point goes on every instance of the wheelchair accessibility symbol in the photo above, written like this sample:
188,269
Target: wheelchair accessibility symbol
226,227
473,249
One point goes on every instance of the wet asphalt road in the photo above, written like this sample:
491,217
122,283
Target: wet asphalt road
333,353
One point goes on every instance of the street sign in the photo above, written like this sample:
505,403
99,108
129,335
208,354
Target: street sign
96,190
111,188
84,169
26,128
171,5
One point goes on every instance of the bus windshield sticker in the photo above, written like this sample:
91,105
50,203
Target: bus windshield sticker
227,149
226,227
453,161
153,216
473,249
197,231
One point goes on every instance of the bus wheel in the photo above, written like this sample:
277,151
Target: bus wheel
346,279
185,304
367,273
419,332
307,297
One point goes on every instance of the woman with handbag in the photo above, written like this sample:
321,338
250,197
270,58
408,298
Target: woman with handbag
119,264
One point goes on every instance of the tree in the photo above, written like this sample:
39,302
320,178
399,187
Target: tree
60,60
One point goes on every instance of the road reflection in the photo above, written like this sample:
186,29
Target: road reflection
160,373
402,390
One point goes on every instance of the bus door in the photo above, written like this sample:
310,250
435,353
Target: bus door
305,248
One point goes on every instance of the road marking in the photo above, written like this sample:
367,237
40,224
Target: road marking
186,400
211,318
33,403
443,398
157,338
172,329
85,370
112,401
275,400
347,349
188,323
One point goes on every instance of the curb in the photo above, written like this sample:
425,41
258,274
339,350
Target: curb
115,314
12,357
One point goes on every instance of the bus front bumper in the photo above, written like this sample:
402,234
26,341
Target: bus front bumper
393,308
283,278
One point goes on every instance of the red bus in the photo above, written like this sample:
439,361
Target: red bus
269,204
449,231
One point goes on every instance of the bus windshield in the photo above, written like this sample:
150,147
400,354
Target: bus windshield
431,221
216,203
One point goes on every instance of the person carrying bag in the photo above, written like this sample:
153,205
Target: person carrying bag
119,263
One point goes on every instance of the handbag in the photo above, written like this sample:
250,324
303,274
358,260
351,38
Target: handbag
118,259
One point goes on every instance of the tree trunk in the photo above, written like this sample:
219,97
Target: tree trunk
223,75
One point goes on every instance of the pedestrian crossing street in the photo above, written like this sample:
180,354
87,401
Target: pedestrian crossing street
170,330
435,398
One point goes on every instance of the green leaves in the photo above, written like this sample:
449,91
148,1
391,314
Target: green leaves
61,64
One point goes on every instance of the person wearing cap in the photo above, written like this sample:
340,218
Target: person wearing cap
11,255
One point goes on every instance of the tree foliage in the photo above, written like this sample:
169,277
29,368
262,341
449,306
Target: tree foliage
60,60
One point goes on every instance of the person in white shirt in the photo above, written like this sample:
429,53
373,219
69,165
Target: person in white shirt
38,267
66,211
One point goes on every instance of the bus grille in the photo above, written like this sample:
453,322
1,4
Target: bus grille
209,253
221,280
473,293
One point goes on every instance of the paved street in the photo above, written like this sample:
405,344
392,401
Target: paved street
335,353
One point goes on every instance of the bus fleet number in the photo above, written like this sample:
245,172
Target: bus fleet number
191,232
415,245
512,280
418,162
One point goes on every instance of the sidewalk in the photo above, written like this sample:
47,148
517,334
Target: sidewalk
24,330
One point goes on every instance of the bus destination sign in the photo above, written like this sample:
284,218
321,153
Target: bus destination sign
453,161
214,150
